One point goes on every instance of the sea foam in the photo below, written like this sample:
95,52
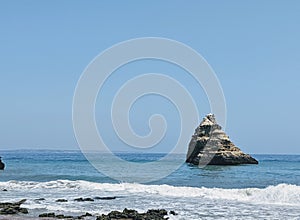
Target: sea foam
278,194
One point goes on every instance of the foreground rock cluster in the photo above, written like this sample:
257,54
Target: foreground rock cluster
61,216
130,214
211,146
8,208
11,209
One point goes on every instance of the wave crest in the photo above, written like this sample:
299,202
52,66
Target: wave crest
278,194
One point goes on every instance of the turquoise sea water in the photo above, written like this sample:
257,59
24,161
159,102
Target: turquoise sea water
268,190
44,166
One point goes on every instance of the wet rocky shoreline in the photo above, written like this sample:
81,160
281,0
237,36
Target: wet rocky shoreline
13,210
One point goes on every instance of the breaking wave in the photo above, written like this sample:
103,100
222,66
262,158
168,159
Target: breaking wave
279,194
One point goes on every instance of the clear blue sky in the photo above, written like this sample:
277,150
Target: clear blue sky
253,46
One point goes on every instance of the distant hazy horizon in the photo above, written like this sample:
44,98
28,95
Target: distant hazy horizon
73,149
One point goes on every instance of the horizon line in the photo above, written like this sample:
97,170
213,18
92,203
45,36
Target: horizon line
136,152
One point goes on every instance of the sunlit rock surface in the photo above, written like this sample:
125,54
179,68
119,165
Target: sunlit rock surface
210,145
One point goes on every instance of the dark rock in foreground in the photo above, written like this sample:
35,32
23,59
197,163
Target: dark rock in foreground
211,146
8,208
49,215
126,214
12,211
40,199
130,214
61,216
84,200
105,198
61,200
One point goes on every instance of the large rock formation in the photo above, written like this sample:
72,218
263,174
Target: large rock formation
211,146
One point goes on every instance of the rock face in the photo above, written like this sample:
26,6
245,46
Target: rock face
2,165
211,146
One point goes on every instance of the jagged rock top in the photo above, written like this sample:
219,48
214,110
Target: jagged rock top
210,145
209,120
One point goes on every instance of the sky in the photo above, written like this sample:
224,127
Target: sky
253,47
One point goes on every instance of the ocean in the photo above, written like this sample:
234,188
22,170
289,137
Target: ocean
269,190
